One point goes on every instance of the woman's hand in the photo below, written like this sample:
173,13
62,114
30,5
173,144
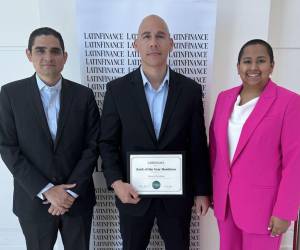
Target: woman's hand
202,204
278,226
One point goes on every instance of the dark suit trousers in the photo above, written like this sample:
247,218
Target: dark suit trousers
41,234
136,230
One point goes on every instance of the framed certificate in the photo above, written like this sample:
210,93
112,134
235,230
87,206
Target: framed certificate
156,174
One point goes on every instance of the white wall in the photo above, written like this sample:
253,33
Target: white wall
13,65
284,35
237,21
235,25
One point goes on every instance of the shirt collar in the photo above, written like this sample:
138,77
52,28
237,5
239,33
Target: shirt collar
146,81
42,85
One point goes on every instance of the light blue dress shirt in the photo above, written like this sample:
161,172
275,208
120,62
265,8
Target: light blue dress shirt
156,99
50,96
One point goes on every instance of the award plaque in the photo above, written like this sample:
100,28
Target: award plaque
156,173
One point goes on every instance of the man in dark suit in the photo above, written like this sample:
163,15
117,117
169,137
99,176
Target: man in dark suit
155,109
49,130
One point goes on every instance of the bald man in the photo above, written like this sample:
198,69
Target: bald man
155,109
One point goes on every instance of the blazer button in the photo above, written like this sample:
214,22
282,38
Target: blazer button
54,179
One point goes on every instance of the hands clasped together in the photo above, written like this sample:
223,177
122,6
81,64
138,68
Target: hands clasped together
60,200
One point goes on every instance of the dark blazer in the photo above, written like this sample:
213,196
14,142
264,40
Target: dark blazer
31,155
126,126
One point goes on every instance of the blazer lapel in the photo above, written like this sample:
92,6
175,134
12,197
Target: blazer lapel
173,94
139,96
38,107
261,108
66,99
227,106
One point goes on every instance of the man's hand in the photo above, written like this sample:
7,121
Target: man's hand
56,211
59,197
278,226
125,192
202,204
211,205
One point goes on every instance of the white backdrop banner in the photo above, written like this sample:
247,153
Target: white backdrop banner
106,31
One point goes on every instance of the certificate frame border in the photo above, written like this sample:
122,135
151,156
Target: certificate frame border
162,153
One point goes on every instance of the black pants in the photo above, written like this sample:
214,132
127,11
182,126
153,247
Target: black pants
41,234
136,230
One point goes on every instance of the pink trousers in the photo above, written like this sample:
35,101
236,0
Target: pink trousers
234,238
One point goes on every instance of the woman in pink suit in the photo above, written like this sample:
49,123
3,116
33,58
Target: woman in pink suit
255,155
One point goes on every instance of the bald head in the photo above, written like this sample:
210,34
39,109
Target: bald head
153,20
153,43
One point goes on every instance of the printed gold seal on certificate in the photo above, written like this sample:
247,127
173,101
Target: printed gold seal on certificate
156,174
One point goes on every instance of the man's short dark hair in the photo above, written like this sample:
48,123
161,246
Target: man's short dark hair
46,31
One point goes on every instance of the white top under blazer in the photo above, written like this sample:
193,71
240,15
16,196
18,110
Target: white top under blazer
239,115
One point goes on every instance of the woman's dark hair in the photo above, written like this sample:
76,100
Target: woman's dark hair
254,42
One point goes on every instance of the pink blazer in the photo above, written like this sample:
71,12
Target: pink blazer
263,178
